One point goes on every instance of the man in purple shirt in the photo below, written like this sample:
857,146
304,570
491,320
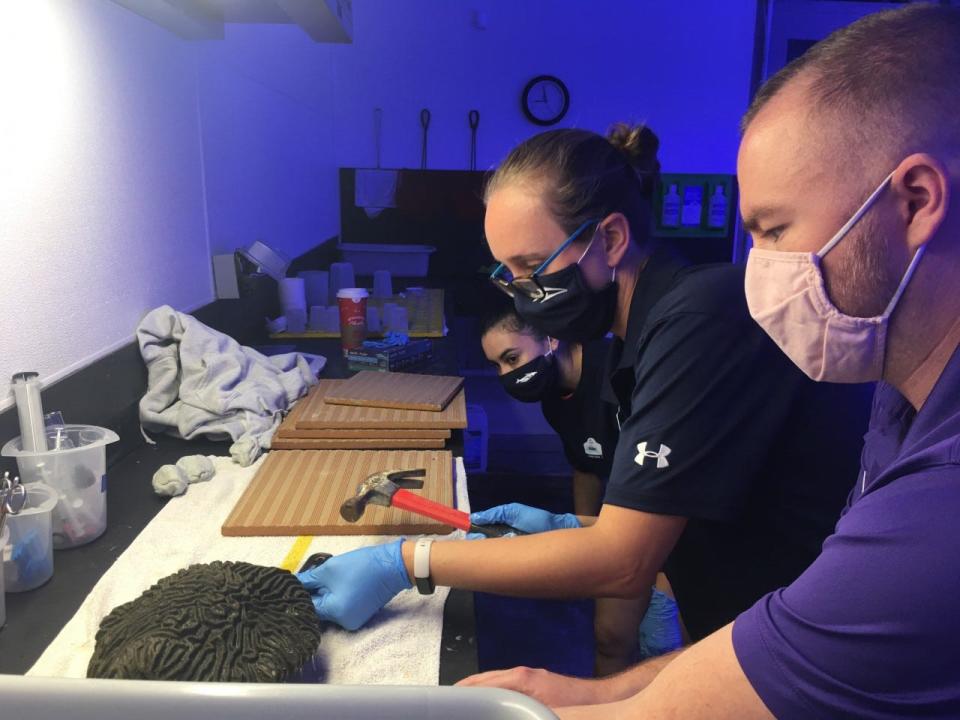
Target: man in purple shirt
848,161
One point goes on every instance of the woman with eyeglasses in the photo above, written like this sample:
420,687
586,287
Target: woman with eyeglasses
731,466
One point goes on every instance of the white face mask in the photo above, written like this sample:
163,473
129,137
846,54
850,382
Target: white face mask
787,297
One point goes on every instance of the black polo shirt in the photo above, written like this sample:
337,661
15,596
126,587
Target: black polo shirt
718,426
585,422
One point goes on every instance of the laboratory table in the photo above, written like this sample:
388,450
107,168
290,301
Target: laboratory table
34,618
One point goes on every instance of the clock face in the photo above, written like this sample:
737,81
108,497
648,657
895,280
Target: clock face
545,100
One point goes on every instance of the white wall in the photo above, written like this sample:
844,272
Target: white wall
266,101
101,186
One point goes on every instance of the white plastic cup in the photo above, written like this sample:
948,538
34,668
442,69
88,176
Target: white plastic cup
293,294
382,284
331,320
296,319
79,476
317,286
28,552
341,276
315,322
373,319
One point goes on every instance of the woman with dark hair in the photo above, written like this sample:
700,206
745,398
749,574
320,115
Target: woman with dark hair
731,466
567,378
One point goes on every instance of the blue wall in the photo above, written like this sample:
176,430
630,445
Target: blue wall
280,113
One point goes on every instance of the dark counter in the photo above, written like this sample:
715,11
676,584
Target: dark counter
34,618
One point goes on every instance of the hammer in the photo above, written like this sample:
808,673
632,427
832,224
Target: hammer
387,488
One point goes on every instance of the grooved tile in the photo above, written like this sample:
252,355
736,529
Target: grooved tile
319,414
403,391
299,492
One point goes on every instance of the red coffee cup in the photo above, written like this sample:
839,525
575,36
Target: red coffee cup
353,316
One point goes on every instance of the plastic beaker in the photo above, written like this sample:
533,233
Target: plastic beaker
78,474
28,552
4,536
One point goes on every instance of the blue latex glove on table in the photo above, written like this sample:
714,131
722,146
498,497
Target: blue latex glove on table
349,589
523,517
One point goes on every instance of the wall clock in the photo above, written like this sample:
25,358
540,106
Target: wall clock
545,100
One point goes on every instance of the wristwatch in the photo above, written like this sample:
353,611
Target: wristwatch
421,566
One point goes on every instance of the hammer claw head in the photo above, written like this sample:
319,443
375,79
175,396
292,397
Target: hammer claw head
406,478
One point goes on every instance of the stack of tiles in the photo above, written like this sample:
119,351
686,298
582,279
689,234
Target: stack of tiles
376,410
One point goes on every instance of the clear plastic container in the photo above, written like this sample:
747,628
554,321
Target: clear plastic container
75,466
28,552
4,536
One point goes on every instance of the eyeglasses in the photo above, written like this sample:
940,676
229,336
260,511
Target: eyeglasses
528,285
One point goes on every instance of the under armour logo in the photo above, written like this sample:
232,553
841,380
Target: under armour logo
550,293
660,455
527,377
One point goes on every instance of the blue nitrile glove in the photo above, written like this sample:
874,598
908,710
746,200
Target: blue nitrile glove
349,589
523,517
659,631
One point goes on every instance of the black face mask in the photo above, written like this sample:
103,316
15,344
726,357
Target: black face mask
533,381
570,310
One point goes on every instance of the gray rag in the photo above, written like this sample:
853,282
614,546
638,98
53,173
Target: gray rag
202,382
170,480
198,468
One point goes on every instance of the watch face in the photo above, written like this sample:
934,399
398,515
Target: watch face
545,100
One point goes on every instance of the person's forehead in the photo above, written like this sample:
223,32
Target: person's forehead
498,339
780,155
518,223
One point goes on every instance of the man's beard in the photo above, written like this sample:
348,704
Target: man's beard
863,285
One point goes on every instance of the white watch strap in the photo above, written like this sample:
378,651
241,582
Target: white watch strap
421,566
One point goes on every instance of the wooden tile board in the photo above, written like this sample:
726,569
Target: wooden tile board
288,431
282,443
403,391
318,414
299,492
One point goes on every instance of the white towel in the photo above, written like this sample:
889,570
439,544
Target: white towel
375,190
399,646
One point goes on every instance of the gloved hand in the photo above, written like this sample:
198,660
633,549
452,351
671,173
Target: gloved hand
523,517
659,631
349,589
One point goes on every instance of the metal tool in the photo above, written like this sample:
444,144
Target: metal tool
13,496
387,488
473,118
377,127
425,124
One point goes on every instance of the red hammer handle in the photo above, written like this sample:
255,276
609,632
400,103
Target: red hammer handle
406,500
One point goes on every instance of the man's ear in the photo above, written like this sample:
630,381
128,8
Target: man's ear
922,186
615,231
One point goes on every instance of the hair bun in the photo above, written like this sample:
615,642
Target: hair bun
639,145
